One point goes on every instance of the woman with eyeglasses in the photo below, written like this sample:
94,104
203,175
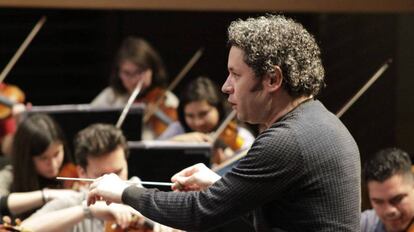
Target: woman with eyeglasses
136,61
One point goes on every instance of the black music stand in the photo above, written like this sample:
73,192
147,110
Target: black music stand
73,118
160,160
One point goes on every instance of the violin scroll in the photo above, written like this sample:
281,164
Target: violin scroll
14,94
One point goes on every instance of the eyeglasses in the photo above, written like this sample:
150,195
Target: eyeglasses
130,75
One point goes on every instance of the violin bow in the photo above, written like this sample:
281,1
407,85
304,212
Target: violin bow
125,181
174,83
22,47
223,126
129,103
364,88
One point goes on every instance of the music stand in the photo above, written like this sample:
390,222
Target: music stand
160,160
73,118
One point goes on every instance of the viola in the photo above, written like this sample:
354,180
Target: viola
14,94
164,114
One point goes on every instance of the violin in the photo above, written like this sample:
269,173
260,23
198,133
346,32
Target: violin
14,94
164,115
227,132
9,91
156,98
137,224
69,170
8,227
231,138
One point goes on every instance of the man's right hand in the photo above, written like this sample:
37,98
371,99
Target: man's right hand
195,178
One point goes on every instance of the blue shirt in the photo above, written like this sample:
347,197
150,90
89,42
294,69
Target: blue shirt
370,222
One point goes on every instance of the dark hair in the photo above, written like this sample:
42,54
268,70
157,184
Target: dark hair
33,137
275,40
386,163
98,140
139,52
201,89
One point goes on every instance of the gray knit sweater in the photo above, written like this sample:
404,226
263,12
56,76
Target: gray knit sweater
302,174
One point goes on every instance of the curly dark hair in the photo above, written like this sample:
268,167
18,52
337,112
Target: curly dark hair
98,140
386,163
275,40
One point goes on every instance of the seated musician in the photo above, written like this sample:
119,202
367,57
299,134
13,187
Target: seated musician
390,185
38,155
99,149
137,61
200,113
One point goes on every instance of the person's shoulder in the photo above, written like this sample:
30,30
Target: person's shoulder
107,91
171,100
278,142
172,130
7,169
370,221
109,97
368,214
6,179
277,132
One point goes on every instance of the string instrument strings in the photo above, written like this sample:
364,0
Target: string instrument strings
364,88
223,126
174,83
129,103
22,48
126,181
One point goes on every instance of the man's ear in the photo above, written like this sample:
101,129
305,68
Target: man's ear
273,81
81,172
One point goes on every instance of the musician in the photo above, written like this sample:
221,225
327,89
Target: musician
200,113
38,154
390,186
302,173
99,149
137,60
